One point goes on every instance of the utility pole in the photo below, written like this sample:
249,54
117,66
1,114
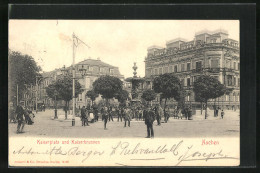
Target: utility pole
73,81
78,41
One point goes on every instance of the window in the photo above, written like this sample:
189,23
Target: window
182,67
151,72
235,64
198,65
165,70
171,69
160,70
238,81
214,63
228,63
111,71
188,66
238,66
175,68
229,80
156,71
234,81
188,81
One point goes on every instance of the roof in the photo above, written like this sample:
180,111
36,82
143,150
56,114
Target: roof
176,40
95,62
154,47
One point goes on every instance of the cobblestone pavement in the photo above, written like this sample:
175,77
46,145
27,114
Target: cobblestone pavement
46,126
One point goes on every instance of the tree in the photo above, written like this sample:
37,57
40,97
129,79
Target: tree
207,87
169,86
22,71
92,95
64,89
122,96
52,92
107,86
148,95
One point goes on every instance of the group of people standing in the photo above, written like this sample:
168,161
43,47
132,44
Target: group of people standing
125,114
22,115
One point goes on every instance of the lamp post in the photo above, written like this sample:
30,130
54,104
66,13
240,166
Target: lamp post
38,79
55,109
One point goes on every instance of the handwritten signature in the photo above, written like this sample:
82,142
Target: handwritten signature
179,152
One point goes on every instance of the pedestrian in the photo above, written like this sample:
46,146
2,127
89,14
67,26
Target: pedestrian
127,116
29,116
11,112
222,114
87,116
166,114
83,115
20,118
105,117
217,110
119,113
189,112
110,113
149,119
95,110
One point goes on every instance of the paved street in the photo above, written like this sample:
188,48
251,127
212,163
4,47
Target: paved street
45,126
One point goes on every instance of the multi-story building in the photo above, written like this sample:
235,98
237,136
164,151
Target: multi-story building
208,53
94,69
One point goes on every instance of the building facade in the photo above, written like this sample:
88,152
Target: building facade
94,69
208,53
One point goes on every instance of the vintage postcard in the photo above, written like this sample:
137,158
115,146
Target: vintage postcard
93,93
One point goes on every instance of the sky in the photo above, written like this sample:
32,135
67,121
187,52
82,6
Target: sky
116,42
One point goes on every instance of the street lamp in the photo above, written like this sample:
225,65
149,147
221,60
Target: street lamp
38,79
55,110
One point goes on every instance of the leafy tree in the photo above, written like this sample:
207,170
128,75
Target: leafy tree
92,95
64,89
107,86
52,92
169,86
148,95
22,71
122,96
207,87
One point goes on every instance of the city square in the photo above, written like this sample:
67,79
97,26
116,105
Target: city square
46,126
178,77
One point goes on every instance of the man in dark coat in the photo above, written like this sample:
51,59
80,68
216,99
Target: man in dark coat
105,117
149,119
119,113
127,116
20,118
110,111
83,115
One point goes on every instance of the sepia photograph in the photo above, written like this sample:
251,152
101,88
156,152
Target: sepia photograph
124,92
